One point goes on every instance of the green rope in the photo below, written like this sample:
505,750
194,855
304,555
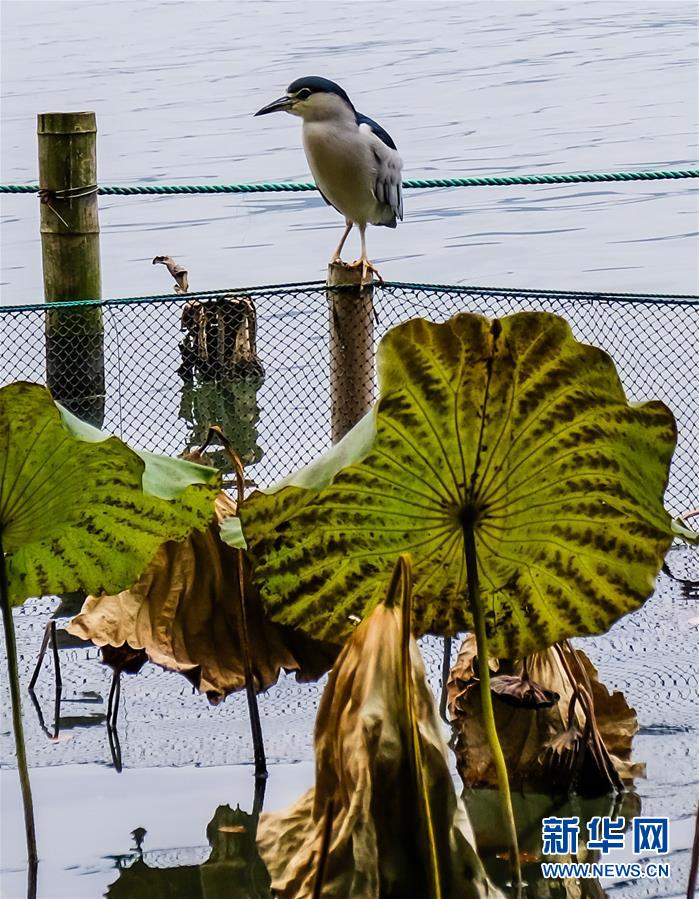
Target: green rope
285,186
314,289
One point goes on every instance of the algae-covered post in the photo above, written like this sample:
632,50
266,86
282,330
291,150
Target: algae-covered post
351,325
71,260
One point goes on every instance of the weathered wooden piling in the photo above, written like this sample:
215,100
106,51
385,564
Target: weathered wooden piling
351,326
71,260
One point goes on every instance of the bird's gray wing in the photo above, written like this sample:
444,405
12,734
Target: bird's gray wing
388,186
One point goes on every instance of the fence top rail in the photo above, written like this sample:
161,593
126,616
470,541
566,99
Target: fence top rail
296,187
310,287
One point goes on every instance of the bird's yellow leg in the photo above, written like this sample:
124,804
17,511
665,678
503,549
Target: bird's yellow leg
368,269
367,266
336,255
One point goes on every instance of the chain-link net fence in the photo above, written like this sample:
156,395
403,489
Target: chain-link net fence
257,361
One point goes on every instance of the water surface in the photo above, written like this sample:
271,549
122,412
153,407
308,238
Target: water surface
464,89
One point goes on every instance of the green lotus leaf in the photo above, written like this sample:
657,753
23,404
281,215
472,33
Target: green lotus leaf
80,510
231,532
680,529
163,476
509,427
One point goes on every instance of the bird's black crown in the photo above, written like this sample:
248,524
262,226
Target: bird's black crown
317,85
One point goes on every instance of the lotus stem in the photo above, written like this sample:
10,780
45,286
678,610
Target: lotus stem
571,711
40,657
694,864
258,800
49,637
114,697
114,746
56,659
487,703
255,725
446,668
253,710
604,760
22,769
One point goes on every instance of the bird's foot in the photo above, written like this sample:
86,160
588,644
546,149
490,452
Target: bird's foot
368,269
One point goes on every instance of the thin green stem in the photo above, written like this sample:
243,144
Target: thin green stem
13,672
487,703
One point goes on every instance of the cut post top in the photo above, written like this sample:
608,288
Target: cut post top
66,123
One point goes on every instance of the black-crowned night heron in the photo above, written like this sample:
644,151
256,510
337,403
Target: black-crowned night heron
354,162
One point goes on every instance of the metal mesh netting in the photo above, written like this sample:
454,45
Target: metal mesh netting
257,361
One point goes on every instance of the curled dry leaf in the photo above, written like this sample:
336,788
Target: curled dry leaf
522,692
543,747
124,658
184,612
383,779
178,272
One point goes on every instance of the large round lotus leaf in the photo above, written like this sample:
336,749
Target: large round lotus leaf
80,510
511,427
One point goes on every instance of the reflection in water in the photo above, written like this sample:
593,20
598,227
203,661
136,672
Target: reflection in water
230,404
233,870
66,722
122,659
530,808
221,375
60,639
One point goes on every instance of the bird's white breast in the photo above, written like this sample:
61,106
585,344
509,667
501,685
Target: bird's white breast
343,166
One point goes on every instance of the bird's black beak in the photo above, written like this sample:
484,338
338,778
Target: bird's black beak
281,105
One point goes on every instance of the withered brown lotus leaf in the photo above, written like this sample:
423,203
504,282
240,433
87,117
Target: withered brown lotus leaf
382,809
542,746
184,612
124,658
522,692
178,272
561,756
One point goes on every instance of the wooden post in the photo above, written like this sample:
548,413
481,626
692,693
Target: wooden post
351,326
71,260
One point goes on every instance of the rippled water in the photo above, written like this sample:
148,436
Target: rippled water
464,89
181,758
